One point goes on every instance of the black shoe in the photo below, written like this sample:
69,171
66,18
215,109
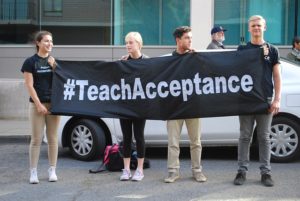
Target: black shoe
267,180
240,178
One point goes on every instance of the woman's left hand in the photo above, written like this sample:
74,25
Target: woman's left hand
52,62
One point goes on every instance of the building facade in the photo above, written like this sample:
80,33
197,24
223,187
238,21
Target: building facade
95,29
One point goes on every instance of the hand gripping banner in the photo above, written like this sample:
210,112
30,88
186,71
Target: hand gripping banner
199,84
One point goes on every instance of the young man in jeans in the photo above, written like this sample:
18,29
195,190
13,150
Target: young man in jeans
183,37
257,27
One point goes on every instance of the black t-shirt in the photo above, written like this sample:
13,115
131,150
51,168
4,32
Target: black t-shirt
271,59
42,76
141,57
175,53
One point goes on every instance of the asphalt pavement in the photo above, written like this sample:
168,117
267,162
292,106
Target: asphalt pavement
76,184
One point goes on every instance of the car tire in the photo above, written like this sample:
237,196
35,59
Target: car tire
285,139
87,140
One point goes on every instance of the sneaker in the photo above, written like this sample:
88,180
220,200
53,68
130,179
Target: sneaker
172,177
199,176
138,176
33,176
126,175
52,174
240,178
267,180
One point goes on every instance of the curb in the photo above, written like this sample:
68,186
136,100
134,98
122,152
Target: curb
14,138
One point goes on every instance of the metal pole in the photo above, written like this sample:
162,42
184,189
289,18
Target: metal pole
40,15
296,18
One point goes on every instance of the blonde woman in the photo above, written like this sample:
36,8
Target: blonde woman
129,127
38,71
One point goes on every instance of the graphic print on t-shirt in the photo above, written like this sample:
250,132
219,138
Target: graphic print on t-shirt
42,66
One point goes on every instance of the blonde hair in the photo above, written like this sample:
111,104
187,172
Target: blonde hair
257,17
137,37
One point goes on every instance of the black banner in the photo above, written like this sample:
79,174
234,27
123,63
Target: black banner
200,84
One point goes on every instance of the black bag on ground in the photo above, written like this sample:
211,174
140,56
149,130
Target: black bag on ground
115,158
112,159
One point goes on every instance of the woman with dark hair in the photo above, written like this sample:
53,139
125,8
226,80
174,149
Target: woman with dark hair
38,71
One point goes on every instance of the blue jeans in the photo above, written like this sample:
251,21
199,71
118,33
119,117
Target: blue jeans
263,124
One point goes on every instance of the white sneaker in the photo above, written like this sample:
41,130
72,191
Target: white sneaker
33,176
52,174
138,176
126,175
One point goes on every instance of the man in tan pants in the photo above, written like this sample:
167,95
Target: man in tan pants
183,37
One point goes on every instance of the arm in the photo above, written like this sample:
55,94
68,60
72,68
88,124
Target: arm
277,87
29,85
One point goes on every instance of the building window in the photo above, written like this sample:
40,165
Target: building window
90,22
155,20
281,17
53,7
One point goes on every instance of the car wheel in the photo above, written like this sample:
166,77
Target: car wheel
86,140
285,135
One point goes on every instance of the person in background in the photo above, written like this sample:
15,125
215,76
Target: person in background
217,38
294,55
257,27
134,43
38,71
183,38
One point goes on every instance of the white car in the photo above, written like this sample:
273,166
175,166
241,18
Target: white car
87,137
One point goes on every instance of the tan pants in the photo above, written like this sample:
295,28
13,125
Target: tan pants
38,122
174,128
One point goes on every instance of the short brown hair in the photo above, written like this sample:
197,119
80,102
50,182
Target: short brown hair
179,31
